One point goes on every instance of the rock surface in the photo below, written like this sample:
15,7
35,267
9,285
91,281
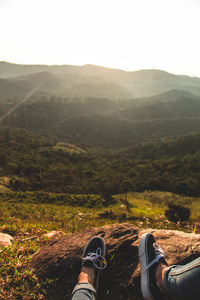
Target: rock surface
54,234
5,240
60,259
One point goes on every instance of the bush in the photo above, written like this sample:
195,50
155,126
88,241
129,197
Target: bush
177,213
108,214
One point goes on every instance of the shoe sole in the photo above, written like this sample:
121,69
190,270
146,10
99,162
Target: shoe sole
144,262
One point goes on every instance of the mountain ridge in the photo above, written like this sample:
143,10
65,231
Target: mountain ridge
90,81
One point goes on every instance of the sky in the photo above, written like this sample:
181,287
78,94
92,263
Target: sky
124,34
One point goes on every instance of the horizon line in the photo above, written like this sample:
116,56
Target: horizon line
96,65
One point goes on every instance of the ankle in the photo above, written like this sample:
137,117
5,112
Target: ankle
86,275
160,271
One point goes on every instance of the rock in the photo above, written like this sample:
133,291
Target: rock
5,240
60,259
179,246
53,234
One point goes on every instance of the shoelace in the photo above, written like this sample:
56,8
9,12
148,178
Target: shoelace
159,253
97,259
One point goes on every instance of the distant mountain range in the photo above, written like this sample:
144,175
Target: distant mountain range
108,123
16,81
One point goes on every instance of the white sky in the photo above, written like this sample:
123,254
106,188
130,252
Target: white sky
126,34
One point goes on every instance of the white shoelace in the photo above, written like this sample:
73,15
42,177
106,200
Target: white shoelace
159,253
97,259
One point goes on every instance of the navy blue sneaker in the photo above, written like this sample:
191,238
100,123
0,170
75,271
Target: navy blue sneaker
94,257
150,255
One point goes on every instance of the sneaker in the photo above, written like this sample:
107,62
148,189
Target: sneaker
150,255
94,256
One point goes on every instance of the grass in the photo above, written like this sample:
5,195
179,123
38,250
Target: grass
27,222
17,280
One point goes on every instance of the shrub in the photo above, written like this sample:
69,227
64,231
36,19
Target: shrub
108,214
177,213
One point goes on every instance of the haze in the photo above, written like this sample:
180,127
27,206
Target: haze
126,34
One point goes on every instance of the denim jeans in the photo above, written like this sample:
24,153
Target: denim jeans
183,282
83,291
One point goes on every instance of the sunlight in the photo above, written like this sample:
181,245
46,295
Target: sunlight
121,34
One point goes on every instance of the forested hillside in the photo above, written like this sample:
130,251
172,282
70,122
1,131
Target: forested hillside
107,123
39,162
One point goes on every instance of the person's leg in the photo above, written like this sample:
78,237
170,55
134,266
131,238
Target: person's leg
93,260
83,294
84,290
158,281
183,282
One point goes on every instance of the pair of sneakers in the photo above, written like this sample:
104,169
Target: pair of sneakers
150,254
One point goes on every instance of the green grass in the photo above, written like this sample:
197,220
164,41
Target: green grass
27,222
18,281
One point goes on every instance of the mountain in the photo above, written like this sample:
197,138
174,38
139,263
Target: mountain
172,104
89,81
66,85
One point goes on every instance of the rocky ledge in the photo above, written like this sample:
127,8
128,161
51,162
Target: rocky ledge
60,260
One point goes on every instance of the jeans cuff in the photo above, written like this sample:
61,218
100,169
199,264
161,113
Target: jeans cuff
85,286
165,279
